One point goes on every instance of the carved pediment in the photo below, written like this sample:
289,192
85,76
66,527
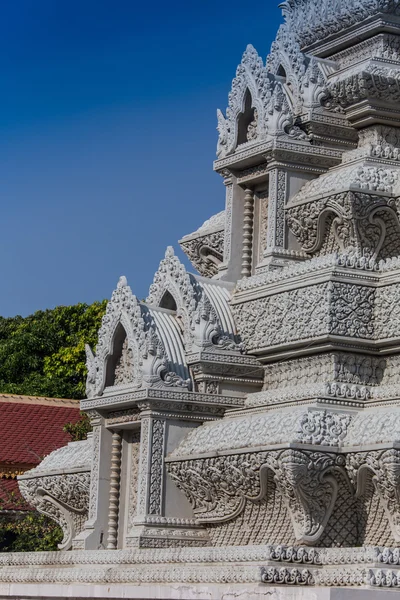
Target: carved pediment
131,351
202,324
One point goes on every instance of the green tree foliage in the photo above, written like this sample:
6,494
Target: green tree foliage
24,531
79,430
30,532
44,354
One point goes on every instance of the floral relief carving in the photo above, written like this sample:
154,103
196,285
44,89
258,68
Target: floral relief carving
156,467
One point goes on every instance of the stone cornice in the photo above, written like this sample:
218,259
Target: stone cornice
160,395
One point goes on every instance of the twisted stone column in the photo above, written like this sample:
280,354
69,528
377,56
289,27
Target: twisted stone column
115,483
248,224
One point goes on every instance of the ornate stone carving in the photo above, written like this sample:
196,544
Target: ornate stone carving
276,208
143,359
385,469
124,369
60,495
312,458
205,247
204,314
297,426
339,367
285,576
133,479
156,467
273,101
206,252
311,21
218,488
360,222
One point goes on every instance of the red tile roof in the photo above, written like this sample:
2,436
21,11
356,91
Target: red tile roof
30,430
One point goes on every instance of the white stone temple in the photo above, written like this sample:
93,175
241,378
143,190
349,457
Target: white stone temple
246,420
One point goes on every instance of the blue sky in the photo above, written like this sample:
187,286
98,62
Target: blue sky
108,117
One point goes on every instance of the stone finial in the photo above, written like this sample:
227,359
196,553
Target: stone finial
169,253
123,282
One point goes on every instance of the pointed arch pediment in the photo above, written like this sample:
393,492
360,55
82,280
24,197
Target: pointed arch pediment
120,331
172,284
251,79
131,352
272,101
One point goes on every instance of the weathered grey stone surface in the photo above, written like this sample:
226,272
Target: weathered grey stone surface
246,437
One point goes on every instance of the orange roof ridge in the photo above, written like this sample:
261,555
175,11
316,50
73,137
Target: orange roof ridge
38,400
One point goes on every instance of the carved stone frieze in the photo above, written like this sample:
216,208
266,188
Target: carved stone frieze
296,426
341,367
359,222
219,488
312,21
328,308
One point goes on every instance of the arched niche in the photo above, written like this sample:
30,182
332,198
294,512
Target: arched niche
282,72
119,367
246,128
168,302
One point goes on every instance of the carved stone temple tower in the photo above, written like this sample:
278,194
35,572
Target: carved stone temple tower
246,421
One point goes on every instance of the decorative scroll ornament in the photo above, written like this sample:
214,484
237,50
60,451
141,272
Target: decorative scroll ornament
205,247
61,496
205,253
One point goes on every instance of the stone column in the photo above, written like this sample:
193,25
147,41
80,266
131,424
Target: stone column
115,483
248,224
93,536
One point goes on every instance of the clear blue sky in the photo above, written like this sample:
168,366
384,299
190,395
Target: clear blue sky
108,117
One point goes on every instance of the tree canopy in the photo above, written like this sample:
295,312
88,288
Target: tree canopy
44,354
